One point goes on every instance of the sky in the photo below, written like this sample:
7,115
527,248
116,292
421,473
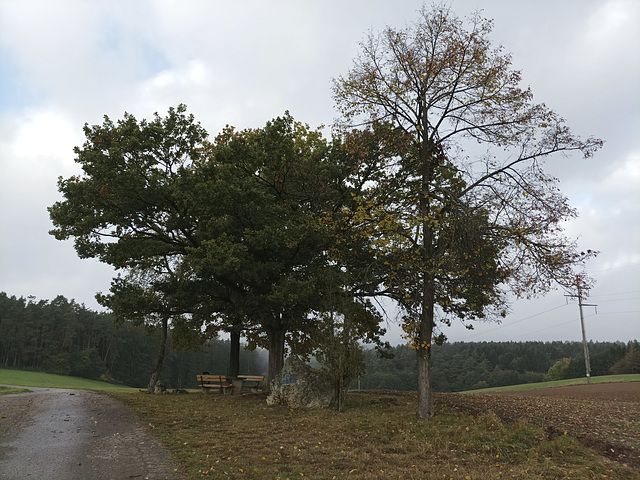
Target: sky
65,63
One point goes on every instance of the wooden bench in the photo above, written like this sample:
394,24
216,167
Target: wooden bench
252,382
221,382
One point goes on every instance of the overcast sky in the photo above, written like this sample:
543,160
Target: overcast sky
64,63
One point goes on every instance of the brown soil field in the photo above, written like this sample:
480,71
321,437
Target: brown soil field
605,416
619,391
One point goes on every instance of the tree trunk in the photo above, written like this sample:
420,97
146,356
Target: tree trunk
157,364
425,329
425,394
276,337
234,352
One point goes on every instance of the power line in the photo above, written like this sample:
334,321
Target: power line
617,299
567,322
505,325
542,329
508,324
617,268
611,294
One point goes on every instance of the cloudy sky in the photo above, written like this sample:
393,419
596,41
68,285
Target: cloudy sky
67,62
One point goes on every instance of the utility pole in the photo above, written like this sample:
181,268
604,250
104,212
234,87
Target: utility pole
587,363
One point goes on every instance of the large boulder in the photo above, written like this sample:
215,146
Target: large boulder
300,386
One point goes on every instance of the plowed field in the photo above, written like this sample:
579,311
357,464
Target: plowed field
605,416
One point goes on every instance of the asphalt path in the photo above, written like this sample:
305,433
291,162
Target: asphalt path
61,434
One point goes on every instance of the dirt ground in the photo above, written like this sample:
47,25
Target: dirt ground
621,391
61,434
605,416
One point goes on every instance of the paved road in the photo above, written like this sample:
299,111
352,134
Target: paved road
59,434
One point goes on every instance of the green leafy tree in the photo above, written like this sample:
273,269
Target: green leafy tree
134,208
344,322
226,235
148,297
266,257
126,210
557,371
454,226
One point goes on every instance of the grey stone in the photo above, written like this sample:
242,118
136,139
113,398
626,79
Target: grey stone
159,389
311,389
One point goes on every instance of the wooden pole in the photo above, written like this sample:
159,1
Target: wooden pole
587,363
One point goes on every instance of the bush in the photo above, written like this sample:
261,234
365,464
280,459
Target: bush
558,370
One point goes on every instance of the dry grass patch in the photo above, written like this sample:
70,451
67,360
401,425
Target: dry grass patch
10,390
611,426
217,436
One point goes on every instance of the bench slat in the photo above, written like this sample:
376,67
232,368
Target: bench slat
214,381
252,382
252,378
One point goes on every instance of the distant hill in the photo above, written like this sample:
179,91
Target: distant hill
467,366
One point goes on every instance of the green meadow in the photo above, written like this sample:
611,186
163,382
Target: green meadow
38,379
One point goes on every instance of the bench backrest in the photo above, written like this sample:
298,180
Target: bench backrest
252,378
204,379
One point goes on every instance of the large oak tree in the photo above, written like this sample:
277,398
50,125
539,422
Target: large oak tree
126,209
268,233
263,243
461,212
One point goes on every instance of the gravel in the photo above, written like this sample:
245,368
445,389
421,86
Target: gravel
62,434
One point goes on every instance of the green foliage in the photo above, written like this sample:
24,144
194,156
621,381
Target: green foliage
65,338
230,235
469,366
124,208
340,354
257,198
558,370
630,363
454,231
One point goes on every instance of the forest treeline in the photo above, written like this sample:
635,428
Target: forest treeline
64,337
466,366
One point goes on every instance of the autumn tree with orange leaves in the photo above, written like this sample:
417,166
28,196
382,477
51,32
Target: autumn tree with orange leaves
459,209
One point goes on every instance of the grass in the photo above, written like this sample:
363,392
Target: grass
216,436
39,379
9,390
560,383
378,437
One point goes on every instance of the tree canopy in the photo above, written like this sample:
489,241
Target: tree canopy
126,210
462,207
224,235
